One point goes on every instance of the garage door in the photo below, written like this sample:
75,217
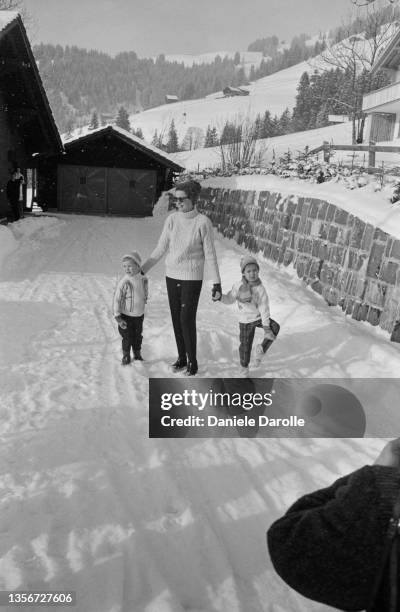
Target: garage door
131,192
82,189
118,191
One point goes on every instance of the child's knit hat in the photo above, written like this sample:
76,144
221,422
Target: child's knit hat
135,257
246,260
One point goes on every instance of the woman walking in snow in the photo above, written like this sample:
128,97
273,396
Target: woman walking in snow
187,239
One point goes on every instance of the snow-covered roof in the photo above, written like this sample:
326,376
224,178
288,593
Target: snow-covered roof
130,139
6,17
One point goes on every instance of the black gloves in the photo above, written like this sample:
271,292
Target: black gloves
216,292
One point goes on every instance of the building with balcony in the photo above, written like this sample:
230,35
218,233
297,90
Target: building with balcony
383,105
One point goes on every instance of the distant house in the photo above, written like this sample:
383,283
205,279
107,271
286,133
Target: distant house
338,118
107,171
169,99
27,126
383,105
235,91
108,118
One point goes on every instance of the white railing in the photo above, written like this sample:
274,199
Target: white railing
385,95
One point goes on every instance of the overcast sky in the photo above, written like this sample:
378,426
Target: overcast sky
151,27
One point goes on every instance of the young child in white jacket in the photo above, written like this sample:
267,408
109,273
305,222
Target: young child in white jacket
130,298
253,304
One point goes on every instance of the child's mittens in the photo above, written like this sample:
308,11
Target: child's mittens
216,292
268,333
121,323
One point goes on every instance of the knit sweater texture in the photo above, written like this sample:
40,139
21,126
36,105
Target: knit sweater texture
188,240
130,295
329,544
257,307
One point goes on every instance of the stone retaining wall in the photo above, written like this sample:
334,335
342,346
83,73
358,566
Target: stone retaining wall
350,263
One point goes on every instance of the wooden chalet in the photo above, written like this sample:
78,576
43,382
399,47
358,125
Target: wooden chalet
235,91
27,126
170,99
382,106
107,171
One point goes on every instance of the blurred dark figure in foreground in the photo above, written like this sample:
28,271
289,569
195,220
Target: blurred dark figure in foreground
339,545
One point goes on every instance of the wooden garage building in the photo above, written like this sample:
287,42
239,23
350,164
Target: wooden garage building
107,171
27,127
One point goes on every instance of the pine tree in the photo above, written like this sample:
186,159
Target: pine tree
207,142
155,140
214,137
122,120
267,128
94,122
302,109
138,132
69,127
285,122
172,142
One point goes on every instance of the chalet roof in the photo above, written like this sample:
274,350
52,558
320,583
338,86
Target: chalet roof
26,95
7,17
134,141
390,56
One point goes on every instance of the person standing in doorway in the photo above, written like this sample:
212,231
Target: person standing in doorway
15,193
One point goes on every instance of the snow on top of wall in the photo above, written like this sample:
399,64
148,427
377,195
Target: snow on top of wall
364,203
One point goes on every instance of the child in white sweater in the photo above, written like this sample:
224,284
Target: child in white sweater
253,304
129,303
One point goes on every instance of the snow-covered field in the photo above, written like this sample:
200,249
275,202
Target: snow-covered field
88,502
274,93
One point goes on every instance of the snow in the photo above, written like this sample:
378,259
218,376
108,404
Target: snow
88,501
274,93
197,159
6,17
372,207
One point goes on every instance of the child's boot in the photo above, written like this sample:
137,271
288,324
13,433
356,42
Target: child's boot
244,371
259,354
126,359
137,356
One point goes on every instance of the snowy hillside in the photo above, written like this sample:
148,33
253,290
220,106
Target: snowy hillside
275,93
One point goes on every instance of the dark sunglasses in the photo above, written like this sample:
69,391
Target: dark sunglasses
180,199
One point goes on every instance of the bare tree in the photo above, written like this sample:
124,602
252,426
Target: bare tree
242,151
356,54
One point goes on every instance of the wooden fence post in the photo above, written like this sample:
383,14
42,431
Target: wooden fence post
326,150
371,156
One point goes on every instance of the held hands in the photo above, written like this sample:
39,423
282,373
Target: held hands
390,455
121,323
268,333
216,292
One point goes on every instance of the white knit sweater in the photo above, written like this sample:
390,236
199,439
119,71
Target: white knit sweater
130,295
188,240
257,308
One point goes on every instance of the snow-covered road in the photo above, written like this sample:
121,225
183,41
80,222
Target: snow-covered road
87,501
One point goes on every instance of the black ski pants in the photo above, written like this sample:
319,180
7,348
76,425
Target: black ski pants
183,297
132,335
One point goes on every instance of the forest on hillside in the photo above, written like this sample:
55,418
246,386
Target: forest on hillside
79,81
